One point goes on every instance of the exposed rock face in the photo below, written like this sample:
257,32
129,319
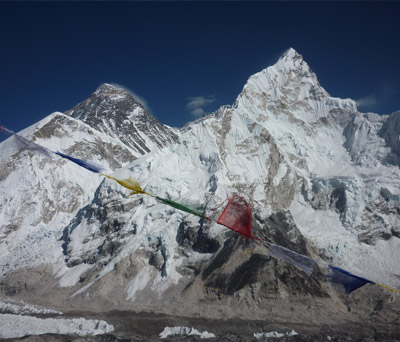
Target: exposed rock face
61,126
314,169
115,112
378,216
390,131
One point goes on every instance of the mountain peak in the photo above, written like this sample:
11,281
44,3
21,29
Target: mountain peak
288,85
291,54
290,79
107,87
115,111
290,61
111,90
290,69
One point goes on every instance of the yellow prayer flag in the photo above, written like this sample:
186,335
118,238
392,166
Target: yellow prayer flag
129,184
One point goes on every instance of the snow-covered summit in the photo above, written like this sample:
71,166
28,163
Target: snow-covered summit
290,87
113,91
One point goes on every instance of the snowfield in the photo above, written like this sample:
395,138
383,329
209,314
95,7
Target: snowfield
26,309
275,334
15,326
171,331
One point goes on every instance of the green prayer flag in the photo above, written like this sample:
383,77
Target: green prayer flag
179,206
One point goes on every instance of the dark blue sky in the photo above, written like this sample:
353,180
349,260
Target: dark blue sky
55,54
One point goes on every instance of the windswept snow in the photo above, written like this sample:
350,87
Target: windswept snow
171,331
26,309
275,334
15,326
18,322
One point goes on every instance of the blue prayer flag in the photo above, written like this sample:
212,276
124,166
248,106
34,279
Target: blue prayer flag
349,281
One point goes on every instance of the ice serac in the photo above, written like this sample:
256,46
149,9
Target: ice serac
390,132
313,168
115,112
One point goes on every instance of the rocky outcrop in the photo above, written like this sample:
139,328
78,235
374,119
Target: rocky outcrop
390,132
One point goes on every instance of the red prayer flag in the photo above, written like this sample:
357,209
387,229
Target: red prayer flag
237,216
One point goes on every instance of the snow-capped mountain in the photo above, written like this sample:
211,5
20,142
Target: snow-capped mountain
321,177
41,194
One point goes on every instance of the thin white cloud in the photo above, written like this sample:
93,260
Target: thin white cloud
197,112
384,94
137,98
367,102
197,105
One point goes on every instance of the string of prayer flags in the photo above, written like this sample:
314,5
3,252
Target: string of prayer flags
236,216
137,189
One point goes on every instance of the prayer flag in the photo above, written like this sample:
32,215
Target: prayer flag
349,281
302,262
